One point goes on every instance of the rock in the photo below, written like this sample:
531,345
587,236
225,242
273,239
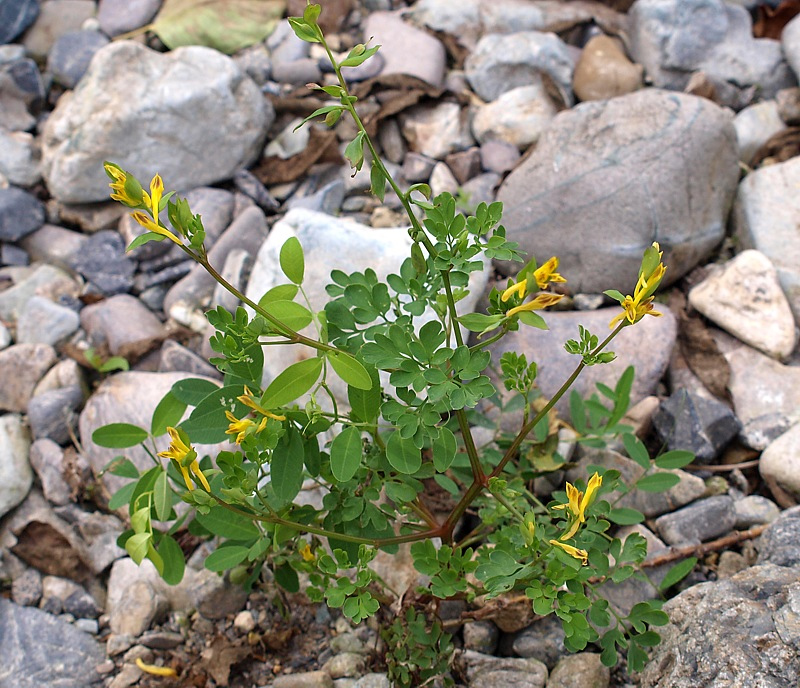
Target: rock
19,159
373,681
91,217
71,54
745,298
26,590
357,248
244,622
235,271
485,671
121,16
79,135
581,670
42,280
102,261
755,125
21,367
518,116
698,522
604,71
742,631
647,347
779,544
758,226
789,41
442,180
499,156
481,636
780,461
214,596
593,167
15,17
501,62
701,426
345,665
788,101
21,94
128,326
766,395
542,640
177,358
674,38
20,214
45,322
100,532
161,640
464,164
53,415
347,642
754,510
47,459
308,679
417,167
132,604
40,650
81,605
436,130
391,139
56,17
406,49
54,245
65,373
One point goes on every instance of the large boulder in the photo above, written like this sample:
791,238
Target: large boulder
191,114
610,177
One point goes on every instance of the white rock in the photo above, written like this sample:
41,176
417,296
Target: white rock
517,116
19,158
16,475
442,180
436,130
780,461
754,126
745,298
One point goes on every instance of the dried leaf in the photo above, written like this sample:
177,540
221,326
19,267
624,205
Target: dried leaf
321,146
770,21
779,148
221,655
225,25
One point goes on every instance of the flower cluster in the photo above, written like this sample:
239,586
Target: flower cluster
184,455
577,503
539,280
640,304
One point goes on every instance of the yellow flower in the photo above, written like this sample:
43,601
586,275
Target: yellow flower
144,220
305,550
186,457
241,427
132,196
547,273
517,289
581,554
156,191
247,400
155,670
543,300
578,502
651,272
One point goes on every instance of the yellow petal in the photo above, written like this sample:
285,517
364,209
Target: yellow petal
200,476
518,289
581,554
155,670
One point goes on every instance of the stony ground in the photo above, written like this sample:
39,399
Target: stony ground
601,126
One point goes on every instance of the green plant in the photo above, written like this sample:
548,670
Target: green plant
390,439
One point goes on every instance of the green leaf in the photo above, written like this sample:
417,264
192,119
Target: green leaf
168,413
224,558
143,239
119,435
625,517
121,497
657,482
137,545
636,450
677,458
207,423
377,180
193,390
122,467
286,467
251,366
365,404
311,455
532,319
355,151
162,497
227,524
172,556
302,30
225,25
346,450
283,292
350,370
677,573
403,454
287,578
478,322
354,60
292,261
290,313
293,382
444,450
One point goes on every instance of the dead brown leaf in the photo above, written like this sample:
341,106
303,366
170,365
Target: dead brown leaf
221,654
321,148
779,148
770,21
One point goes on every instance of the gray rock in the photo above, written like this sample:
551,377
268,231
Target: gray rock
499,156
779,544
780,461
81,605
71,54
406,49
443,180
766,395
464,164
132,604
79,136
26,590
53,415
15,17
40,650
698,522
789,41
128,327
21,94
755,125
581,670
20,214
345,665
214,596
235,271
21,367
542,640
43,280
391,139
54,245
307,679
45,322
674,38
595,166
304,70
120,16
100,532
417,167
758,226
486,671
65,373
161,640
177,358
47,460
90,626
346,642
19,158
518,116
502,62
647,347
255,62
56,17
13,255
755,510
373,681
248,184
745,298
102,261
481,636
326,200
436,130
742,631
702,426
